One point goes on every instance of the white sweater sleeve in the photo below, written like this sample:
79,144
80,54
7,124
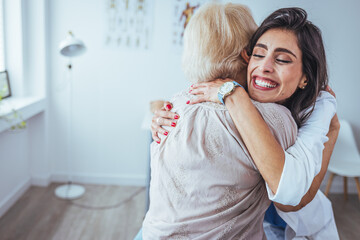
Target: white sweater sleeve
303,159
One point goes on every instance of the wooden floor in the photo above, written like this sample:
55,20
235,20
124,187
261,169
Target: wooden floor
113,212
39,215
347,215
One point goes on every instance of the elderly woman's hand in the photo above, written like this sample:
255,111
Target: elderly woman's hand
207,91
163,117
328,89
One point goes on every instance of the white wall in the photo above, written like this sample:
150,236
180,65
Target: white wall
21,162
23,153
34,47
112,90
14,167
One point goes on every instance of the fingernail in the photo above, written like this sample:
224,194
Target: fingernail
187,102
158,142
176,117
173,124
190,91
192,85
168,107
166,133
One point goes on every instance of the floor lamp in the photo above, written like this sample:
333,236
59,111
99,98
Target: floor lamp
70,47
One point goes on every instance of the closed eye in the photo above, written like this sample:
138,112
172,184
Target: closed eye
283,61
258,55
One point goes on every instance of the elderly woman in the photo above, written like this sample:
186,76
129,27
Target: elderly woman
208,201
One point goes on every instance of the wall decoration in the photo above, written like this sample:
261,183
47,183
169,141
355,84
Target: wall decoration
7,113
129,23
183,11
5,90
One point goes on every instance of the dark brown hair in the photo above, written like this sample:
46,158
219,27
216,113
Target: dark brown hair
313,57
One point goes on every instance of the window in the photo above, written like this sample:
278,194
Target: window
2,53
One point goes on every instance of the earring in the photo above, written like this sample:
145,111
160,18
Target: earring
305,83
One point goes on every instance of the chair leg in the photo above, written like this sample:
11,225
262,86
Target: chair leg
345,188
331,178
358,186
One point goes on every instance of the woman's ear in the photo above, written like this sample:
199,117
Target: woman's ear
303,82
245,56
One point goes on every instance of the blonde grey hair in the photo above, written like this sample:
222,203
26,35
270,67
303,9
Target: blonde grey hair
214,39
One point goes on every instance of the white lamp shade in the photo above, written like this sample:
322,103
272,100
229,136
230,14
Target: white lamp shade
71,46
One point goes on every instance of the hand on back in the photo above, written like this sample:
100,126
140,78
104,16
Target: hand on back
205,92
163,117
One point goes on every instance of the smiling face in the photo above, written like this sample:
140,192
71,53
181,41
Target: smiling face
275,67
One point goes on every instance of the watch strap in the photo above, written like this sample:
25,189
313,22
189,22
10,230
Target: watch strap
221,98
238,84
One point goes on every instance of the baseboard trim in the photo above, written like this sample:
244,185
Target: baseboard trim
41,181
13,196
127,180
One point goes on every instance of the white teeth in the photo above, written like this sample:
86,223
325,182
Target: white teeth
264,84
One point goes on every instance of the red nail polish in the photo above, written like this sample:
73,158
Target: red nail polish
187,102
168,107
173,124
166,133
176,117
190,91
192,85
158,142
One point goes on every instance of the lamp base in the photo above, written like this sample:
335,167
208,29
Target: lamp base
69,191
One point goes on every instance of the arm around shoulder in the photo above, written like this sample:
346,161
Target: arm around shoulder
329,147
304,160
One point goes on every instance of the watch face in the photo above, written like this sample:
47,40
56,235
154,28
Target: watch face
226,87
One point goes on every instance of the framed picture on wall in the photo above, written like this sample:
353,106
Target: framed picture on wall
5,90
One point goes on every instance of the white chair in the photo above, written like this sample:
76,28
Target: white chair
345,160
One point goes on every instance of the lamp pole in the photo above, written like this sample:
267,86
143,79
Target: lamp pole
70,47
